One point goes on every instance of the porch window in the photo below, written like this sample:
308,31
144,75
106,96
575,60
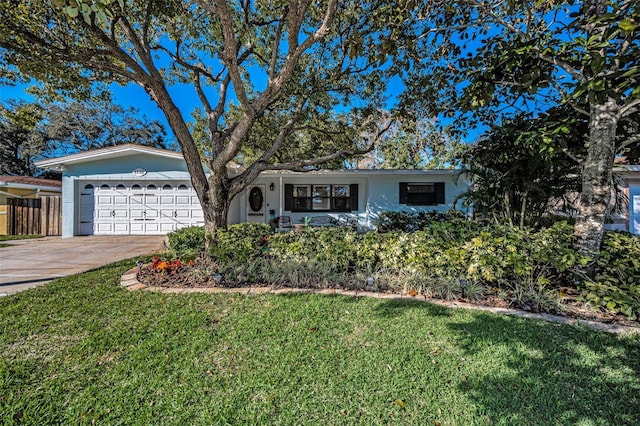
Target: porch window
422,193
321,198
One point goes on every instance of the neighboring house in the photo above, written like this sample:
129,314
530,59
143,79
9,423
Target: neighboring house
23,187
132,189
629,218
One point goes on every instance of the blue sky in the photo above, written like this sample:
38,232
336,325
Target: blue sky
134,96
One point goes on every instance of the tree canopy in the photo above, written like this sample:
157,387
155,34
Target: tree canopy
312,68
496,60
31,131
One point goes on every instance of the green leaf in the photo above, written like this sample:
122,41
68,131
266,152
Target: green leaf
598,85
597,63
71,11
627,25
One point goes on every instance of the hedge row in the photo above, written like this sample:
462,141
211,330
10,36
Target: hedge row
497,256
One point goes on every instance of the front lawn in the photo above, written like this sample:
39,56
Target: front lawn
82,349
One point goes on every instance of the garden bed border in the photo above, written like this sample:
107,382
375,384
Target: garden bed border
130,281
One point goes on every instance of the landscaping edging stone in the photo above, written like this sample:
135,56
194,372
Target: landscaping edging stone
130,281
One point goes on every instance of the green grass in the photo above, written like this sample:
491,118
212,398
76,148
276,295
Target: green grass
82,350
16,237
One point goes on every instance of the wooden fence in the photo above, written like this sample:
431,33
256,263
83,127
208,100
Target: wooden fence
39,216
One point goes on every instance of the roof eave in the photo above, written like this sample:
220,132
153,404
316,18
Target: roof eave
109,152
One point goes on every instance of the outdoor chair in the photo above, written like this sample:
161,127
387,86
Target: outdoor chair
284,222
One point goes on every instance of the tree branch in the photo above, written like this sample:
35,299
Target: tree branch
628,109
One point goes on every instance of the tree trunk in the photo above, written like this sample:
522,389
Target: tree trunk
215,207
595,198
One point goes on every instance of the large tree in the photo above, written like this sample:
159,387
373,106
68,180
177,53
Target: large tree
498,58
22,142
32,131
522,170
300,63
96,123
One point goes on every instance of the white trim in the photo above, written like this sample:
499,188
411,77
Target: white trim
349,172
31,186
109,152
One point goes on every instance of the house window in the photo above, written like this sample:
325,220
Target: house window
422,193
321,198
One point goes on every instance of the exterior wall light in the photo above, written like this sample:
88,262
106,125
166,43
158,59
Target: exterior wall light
371,283
272,187
218,278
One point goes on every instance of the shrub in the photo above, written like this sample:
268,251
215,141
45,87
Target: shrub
187,242
412,222
240,243
617,282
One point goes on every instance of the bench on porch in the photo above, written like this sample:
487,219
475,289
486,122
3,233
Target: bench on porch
322,221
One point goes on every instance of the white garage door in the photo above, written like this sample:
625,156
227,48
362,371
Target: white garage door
137,209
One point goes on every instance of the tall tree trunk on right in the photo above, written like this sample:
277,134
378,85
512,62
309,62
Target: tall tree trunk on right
595,198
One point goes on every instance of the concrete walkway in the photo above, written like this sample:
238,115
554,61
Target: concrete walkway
28,263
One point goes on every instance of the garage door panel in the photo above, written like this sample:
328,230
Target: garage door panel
167,227
182,214
103,214
121,228
152,227
137,227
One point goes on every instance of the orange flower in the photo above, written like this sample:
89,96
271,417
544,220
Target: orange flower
163,266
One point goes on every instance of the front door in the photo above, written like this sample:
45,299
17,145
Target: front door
87,207
256,204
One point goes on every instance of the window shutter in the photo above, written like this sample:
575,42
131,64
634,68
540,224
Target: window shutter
288,197
354,197
403,193
439,187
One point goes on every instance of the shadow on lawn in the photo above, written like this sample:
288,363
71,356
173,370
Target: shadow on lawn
396,308
553,374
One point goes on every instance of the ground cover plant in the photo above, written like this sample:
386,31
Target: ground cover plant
83,350
426,255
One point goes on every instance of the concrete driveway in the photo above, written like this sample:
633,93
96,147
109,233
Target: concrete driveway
28,263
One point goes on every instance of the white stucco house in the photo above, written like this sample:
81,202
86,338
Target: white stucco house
138,190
